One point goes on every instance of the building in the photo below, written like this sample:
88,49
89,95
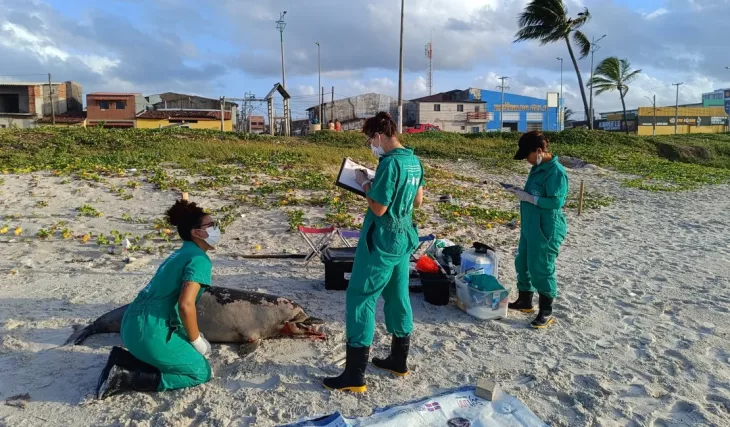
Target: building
714,99
194,119
521,113
67,119
114,110
692,120
352,112
22,104
450,113
181,101
256,124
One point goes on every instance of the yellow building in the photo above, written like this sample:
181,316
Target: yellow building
194,119
691,120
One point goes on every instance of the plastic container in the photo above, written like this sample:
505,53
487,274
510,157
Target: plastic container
436,288
338,264
480,257
482,304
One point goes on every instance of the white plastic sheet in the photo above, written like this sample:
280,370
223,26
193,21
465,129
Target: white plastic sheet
458,408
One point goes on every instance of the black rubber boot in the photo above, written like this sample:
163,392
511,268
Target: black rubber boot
396,362
545,315
523,303
353,379
124,372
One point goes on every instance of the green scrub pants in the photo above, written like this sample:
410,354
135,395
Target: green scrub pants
536,255
375,273
150,339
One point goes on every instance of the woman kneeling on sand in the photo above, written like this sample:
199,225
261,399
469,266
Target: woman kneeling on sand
543,227
160,328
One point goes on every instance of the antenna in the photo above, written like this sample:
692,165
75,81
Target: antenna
429,56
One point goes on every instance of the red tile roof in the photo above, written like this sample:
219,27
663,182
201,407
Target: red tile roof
69,118
113,94
182,114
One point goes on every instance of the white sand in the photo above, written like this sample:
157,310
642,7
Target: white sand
641,337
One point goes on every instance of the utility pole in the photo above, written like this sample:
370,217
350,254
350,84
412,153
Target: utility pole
501,106
676,108
223,113
321,110
332,110
560,101
281,25
653,103
594,48
50,94
319,71
400,69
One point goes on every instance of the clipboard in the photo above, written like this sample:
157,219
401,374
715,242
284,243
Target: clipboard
346,177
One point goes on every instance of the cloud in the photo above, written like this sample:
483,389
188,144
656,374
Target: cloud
655,14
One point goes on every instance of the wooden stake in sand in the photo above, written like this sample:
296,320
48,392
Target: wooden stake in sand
580,200
185,196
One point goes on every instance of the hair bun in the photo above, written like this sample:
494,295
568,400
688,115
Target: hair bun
179,213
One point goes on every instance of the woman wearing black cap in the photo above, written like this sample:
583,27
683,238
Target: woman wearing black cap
543,227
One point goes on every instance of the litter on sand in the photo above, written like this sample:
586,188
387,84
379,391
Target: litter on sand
456,408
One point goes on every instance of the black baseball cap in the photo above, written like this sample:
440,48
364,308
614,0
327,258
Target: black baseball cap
529,143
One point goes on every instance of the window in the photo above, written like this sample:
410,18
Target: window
9,103
121,105
104,105
476,109
182,121
463,128
460,108
475,129
436,107
534,126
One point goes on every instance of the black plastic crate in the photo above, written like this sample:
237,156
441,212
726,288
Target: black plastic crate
436,288
337,267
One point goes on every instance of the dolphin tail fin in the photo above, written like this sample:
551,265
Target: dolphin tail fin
80,334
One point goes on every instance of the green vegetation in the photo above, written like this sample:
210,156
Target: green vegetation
614,74
656,163
296,219
88,210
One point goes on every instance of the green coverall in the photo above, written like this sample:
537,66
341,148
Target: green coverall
382,258
152,330
543,229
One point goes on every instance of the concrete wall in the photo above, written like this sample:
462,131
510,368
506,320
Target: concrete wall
449,119
362,107
7,122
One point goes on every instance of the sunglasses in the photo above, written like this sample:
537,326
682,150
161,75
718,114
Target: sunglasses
208,225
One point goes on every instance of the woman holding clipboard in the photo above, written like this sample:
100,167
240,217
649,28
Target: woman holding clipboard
382,259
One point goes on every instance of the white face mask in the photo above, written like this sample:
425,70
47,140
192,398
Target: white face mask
539,159
377,151
214,236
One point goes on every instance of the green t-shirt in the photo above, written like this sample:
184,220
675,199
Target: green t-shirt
396,183
187,264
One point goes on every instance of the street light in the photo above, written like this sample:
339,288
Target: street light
400,69
319,88
281,25
561,118
594,48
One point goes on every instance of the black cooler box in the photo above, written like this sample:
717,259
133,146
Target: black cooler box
337,267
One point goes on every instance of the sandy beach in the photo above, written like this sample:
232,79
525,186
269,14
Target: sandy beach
641,338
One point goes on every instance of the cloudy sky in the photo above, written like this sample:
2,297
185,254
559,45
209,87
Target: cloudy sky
230,47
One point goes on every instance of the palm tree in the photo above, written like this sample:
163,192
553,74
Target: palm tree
548,22
614,74
568,114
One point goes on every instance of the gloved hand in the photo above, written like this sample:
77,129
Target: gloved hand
524,196
361,177
202,345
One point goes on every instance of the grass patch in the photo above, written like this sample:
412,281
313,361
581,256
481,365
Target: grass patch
295,218
90,211
663,163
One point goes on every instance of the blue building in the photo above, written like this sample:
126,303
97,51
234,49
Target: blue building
521,113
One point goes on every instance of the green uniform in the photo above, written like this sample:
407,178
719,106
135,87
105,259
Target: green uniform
543,229
383,253
152,329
